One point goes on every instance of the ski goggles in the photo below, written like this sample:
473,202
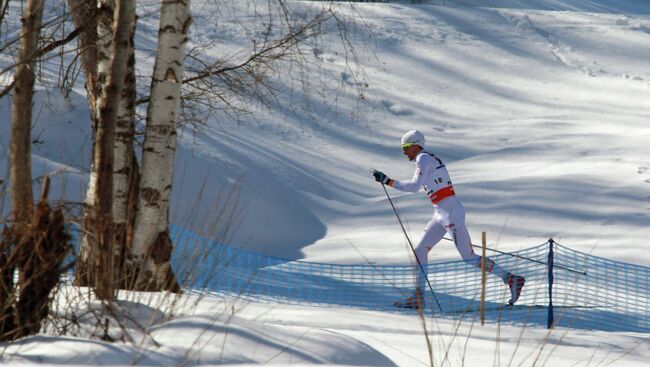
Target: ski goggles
407,145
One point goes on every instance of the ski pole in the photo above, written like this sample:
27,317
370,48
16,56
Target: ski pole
412,249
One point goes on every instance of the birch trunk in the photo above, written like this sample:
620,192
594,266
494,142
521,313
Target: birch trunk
125,171
105,19
104,263
88,252
152,246
21,115
83,12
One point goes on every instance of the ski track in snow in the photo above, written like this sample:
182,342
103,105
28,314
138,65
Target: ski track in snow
570,56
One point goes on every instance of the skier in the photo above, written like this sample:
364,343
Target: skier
449,217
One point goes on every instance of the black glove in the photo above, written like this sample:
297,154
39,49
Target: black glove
380,177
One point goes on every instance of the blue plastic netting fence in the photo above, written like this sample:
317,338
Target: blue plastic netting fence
587,292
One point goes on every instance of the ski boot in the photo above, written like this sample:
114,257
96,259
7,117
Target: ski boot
416,301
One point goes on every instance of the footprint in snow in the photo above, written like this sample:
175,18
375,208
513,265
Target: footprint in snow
396,109
633,24
644,171
623,22
323,56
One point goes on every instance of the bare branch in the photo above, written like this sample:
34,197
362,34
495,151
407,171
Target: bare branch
42,51
4,4
46,24
248,74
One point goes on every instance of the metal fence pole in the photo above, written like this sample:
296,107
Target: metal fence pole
551,259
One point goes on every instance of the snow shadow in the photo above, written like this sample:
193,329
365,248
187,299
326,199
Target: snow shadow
591,6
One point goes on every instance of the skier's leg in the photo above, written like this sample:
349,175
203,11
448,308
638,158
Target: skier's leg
463,243
433,233
462,240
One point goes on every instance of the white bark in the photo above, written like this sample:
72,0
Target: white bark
104,40
123,153
105,284
151,244
87,253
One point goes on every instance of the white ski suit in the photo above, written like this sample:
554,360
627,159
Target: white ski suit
449,214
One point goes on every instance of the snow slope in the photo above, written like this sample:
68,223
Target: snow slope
541,116
539,109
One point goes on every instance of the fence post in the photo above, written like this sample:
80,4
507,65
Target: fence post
551,258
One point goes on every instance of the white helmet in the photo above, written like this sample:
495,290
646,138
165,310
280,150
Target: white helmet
413,137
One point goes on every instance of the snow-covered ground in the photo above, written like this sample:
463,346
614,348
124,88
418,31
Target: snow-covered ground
211,331
539,108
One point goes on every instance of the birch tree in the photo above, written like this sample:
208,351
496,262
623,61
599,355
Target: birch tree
21,118
89,45
125,168
21,123
103,160
152,246
95,60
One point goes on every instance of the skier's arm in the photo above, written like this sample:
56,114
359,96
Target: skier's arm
422,165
